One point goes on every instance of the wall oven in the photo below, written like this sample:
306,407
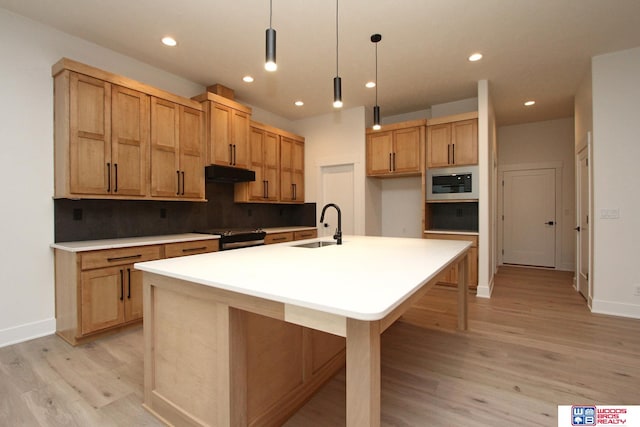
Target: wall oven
454,183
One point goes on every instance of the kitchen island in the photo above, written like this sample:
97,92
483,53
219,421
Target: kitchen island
197,342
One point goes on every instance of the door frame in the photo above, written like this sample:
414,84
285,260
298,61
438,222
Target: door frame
557,166
586,149
358,188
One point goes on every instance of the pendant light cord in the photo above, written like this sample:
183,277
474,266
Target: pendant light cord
336,38
376,73
270,12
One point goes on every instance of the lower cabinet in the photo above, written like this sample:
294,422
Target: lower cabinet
289,236
286,364
100,291
451,276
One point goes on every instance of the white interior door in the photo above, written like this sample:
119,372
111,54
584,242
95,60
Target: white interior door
583,223
337,186
529,209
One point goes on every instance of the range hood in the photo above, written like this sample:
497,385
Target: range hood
228,174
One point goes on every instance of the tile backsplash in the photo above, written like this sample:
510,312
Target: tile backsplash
107,219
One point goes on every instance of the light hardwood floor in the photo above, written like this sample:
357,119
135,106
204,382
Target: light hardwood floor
532,346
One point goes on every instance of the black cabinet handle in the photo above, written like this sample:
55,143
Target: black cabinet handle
108,177
178,177
390,168
234,155
448,154
183,183
230,154
267,193
200,248
129,283
394,161
122,258
453,153
115,167
121,285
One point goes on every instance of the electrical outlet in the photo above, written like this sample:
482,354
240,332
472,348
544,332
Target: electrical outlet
77,214
637,291
163,213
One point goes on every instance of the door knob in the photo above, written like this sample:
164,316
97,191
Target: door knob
577,228
550,222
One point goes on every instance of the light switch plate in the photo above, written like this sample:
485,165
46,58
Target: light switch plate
609,213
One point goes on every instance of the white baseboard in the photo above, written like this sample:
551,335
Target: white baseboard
485,290
27,332
615,308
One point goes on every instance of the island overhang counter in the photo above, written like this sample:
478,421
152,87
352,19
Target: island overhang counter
196,308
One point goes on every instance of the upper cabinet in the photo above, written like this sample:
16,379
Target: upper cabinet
226,130
104,128
176,151
396,149
264,152
452,141
291,169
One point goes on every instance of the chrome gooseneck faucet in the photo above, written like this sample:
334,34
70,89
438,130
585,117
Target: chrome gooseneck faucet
338,234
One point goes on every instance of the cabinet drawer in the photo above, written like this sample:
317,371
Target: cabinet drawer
109,257
306,234
445,236
278,238
172,250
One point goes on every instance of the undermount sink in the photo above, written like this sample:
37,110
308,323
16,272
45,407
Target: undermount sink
315,244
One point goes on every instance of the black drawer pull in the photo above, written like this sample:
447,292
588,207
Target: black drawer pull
121,285
129,283
277,239
122,258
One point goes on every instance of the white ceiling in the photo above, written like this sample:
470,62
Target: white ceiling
533,49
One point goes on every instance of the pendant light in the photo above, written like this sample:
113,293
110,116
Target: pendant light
270,54
337,81
375,38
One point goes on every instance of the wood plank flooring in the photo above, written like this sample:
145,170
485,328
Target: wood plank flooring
532,346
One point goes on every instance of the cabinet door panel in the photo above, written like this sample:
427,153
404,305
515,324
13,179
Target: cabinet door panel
286,159
90,135
164,148
379,153
102,299
438,142
133,299
464,137
191,154
257,187
324,348
220,135
407,150
240,138
130,141
271,165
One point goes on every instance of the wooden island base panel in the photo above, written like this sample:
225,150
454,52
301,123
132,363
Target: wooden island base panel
215,356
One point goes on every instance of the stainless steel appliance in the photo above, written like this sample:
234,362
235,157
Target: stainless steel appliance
236,238
453,183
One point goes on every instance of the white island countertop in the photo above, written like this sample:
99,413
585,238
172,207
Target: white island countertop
365,278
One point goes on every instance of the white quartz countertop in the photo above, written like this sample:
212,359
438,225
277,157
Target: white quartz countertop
364,278
95,245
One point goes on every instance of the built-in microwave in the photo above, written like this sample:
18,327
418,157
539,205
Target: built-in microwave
454,183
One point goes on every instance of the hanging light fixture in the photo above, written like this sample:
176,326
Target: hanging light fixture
270,55
337,81
375,38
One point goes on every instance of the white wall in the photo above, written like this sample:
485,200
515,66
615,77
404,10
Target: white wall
402,207
333,139
29,50
616,152
547,142
486,206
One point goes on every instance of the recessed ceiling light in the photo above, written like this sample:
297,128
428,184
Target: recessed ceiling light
247,79
370,85
169,41
475,57
299,103
529,103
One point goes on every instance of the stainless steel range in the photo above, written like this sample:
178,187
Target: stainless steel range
236,238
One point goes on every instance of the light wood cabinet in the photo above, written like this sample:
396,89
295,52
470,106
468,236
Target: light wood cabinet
103,125
452,143
305,234
291,169
289,236
177,168
226,130
450,277
99,291
396,150
264,150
